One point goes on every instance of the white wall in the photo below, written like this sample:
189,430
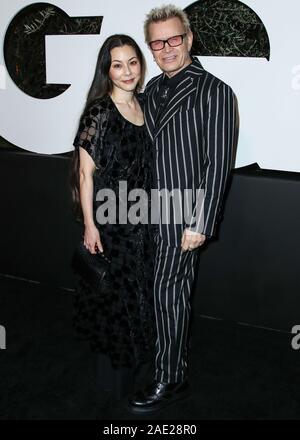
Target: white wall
268,91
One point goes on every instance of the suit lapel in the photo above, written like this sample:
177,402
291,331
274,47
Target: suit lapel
187,86
151,107
182,91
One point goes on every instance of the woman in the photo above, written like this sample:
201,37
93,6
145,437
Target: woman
112,147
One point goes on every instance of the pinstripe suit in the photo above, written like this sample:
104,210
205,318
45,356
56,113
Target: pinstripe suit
193,141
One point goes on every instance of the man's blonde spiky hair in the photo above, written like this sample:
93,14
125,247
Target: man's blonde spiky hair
163,13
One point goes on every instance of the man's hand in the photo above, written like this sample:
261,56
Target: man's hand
191,240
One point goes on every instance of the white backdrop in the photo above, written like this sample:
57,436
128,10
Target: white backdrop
268,91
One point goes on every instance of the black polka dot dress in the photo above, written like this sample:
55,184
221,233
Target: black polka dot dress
119,323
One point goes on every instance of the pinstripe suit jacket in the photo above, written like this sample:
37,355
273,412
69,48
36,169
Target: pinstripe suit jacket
193,144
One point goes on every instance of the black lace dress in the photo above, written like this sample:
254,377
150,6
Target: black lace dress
120,324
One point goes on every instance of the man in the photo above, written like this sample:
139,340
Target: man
190,116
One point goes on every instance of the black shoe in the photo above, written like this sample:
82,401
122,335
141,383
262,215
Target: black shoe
157,396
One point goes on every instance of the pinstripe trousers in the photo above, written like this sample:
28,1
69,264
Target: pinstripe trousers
173,278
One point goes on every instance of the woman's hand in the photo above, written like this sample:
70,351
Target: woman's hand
91,239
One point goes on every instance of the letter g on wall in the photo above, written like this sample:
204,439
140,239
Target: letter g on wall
24,45
24,30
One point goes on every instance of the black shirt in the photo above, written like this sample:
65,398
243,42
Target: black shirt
167,90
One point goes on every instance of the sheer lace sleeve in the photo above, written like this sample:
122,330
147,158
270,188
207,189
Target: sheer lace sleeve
90,130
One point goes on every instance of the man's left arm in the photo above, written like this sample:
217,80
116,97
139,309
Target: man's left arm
219,123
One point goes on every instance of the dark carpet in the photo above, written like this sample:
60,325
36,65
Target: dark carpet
238,372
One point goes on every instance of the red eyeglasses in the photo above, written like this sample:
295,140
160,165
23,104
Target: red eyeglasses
177,40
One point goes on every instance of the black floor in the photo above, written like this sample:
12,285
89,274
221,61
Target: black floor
237,371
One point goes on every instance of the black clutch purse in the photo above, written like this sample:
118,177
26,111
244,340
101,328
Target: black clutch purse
93,268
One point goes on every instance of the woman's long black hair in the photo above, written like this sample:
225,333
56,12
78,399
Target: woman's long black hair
100,87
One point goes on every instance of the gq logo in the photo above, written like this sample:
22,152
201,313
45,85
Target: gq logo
296,339
2,338
50,52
